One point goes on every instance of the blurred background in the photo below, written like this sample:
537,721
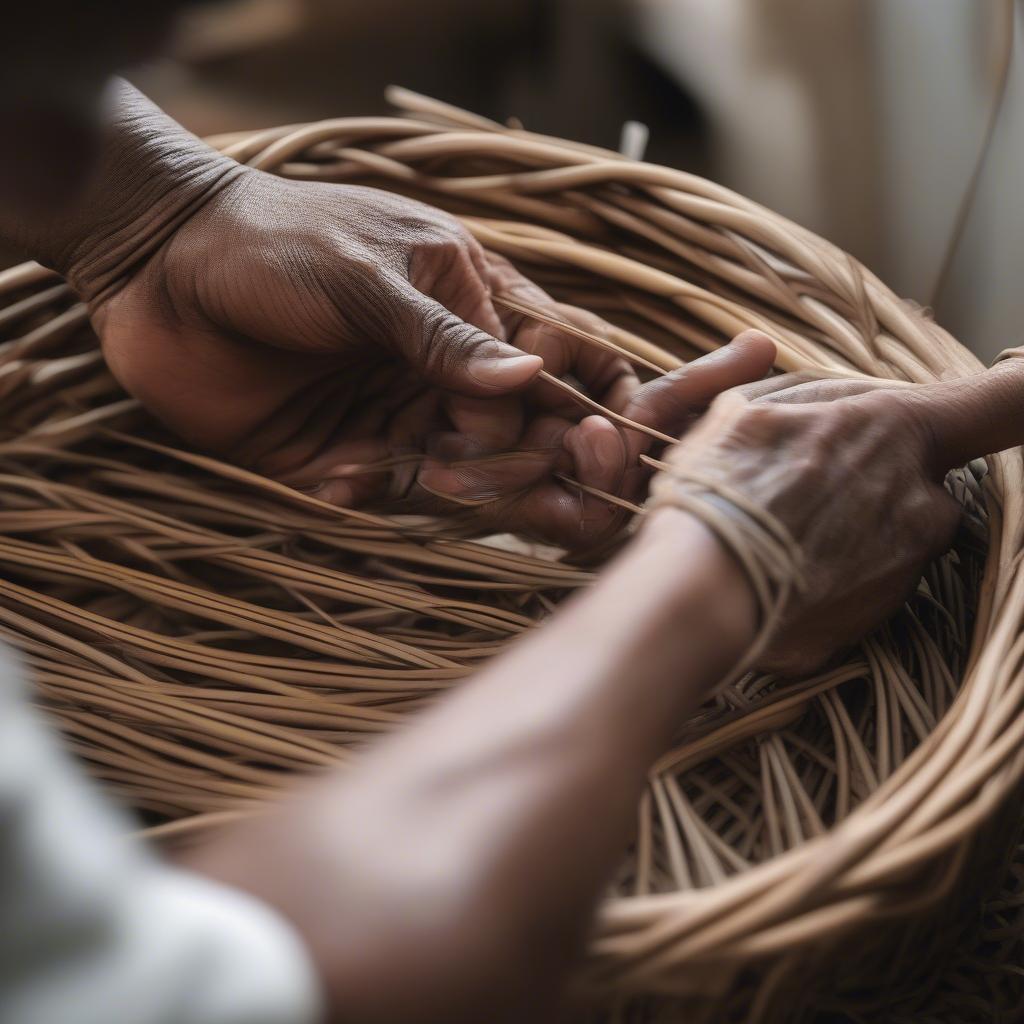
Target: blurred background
861,119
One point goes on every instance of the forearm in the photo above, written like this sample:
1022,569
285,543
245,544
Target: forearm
150,176
469,850
595,696
540,762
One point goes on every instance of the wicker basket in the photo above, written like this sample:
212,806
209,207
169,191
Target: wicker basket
198,631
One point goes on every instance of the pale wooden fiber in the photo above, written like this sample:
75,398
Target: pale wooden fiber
199,631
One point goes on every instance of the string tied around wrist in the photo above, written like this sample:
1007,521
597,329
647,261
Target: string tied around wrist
763,546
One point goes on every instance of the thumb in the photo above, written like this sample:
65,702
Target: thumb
671,401
972,416
457,356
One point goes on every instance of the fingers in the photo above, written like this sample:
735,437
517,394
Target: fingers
345,475
571,516
605,460
457,356
970,417
449,267
461,470
671,402
605,375
450,331
603,372
516,490
598,454
497,423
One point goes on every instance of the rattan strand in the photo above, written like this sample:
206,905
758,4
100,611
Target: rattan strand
200,632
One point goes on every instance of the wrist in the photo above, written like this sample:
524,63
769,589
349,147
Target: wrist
152,175
660,629
700,583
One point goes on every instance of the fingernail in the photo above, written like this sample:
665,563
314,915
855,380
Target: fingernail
441,480
505,372
608,449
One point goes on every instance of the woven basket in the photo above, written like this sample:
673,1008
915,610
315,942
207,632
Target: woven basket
199,631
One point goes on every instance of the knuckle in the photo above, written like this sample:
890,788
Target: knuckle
438,254
444,244
448,341
758,421
904,416
357,260
440,231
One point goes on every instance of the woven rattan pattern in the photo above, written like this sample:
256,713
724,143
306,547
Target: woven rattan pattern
198,630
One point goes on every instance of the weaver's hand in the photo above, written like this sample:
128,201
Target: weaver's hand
345,341
311,331
858,483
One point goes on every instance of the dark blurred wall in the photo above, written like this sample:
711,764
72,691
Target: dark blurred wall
565,67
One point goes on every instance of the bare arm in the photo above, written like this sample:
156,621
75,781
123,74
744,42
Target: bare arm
309,331
451,875
467,851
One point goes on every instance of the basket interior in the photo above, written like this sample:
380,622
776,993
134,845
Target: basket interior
141,579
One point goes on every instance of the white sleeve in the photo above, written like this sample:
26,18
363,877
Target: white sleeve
95,930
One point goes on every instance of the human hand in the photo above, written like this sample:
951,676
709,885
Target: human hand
449,873
802,386
344,341
857,481
347,341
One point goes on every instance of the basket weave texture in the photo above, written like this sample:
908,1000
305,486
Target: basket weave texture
199,631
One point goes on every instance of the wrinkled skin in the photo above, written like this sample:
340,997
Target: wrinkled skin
308,330
499,806
854,470
451,873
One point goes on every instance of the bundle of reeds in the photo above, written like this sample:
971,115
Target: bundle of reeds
199,632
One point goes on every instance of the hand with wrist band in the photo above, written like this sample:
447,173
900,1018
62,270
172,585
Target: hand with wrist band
834,505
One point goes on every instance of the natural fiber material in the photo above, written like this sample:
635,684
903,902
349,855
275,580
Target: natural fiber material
199,631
